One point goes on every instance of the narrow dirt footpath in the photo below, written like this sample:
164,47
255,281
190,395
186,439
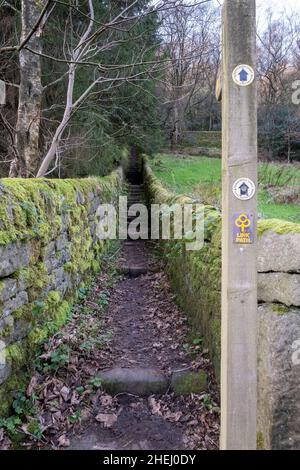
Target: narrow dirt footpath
149,334
149,345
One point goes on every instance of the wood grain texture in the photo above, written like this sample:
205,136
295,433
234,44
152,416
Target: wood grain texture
239,262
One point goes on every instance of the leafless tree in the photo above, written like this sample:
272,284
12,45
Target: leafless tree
276,68
191,41
84,40
33,17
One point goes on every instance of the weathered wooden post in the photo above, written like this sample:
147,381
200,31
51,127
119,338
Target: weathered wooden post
239,276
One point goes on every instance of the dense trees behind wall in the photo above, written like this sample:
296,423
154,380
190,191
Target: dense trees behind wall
191,39
86,79
81,89
278,69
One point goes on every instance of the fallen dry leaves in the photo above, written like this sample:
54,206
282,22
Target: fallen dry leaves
107,419
65,388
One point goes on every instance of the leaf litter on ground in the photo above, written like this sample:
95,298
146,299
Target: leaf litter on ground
67,392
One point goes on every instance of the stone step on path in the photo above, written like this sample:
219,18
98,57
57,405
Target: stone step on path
140,381
134,176
136,197
134,263
131,202
146,381
137,188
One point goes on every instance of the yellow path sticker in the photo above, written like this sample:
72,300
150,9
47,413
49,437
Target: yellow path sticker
243,228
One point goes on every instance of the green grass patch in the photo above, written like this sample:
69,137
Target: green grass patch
200,177
182,173
269,210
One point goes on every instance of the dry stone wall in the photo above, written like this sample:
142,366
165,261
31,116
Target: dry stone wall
196,277
48,249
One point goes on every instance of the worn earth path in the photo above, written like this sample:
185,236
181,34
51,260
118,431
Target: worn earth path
139,408
124,373
154,369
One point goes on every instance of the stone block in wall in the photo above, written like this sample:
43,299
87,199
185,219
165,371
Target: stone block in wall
6,322
62,241
279,287
279,252
58,259
21,329
93,228
51,264
63,256
8,288
5,367
14,329
65,220
11,305
80,199
61,281
94,205
13,257
279,377
48,251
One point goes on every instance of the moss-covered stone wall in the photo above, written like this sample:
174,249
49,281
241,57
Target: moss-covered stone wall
48,249
194,275
196,279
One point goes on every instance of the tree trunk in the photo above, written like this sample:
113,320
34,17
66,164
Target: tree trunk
70,105
61,127
176,131
289,147
30,94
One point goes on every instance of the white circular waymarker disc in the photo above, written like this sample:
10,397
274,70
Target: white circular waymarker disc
244,189
243,75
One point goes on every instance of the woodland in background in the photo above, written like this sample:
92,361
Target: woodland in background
88,79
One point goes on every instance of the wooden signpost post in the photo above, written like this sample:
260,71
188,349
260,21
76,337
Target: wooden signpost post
239,276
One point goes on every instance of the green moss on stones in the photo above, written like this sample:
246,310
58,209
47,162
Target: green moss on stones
34,278
38,335
16,354
189,382
39,211
53,297
96,266
33,208
17,381
55,314
277,226
260,442
28,210
280,309
7,328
